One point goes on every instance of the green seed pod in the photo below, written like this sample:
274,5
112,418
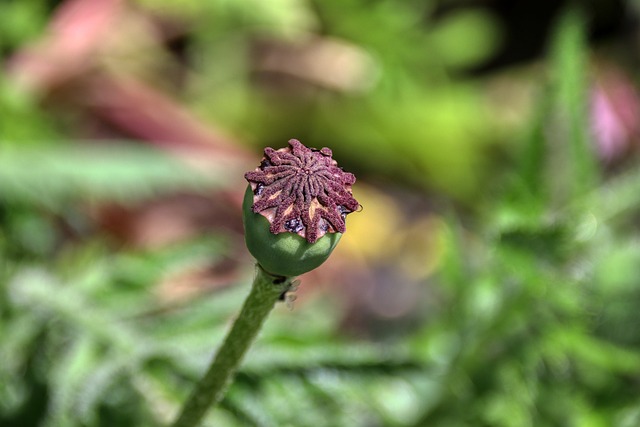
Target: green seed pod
284,254
295,207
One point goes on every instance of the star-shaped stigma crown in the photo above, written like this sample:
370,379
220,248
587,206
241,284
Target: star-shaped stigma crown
302,190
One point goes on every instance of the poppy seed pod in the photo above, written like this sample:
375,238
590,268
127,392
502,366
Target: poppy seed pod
295,207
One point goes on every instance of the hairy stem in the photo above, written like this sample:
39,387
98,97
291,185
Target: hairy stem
266,290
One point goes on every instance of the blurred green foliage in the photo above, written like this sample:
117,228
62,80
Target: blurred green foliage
530,320
409,123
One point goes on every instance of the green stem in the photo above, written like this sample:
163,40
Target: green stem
210,390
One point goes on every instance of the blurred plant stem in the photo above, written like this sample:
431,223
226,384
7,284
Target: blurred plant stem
266,290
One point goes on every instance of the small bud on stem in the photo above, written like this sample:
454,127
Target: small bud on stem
294,214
